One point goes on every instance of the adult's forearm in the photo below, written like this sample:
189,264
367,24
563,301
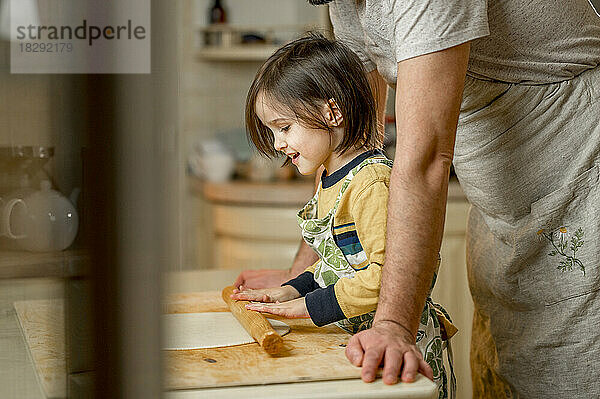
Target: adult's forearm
304,258
428,95
416,214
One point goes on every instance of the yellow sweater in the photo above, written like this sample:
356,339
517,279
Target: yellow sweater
359,230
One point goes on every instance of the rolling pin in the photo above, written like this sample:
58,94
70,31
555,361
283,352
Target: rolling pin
255,323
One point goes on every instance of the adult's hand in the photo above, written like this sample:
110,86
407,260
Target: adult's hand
389,343
266,278
262,278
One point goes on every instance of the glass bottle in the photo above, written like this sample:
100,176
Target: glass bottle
217,13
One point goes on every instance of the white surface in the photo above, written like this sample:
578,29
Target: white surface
208,330
422,388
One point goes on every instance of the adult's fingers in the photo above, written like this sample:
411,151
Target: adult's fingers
371,361
240,280
255,279
425,369
354,350
411,366
392,362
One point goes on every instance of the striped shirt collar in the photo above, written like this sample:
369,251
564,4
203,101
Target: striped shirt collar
332,179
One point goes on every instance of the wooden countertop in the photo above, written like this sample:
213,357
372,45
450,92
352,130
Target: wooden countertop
207,280
17,376
278,193
284,193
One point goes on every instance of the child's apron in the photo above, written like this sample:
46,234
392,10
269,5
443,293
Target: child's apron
318,234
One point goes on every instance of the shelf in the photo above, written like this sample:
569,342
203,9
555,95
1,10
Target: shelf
226,41
249,52
22,264
240,192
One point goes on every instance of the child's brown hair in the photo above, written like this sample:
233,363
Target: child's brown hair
304,75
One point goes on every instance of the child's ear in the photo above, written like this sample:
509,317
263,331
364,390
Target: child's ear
333,113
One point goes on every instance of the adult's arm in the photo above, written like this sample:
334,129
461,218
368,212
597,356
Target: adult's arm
267,278
428,96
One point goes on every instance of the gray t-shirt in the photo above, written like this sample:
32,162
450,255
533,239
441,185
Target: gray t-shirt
515,41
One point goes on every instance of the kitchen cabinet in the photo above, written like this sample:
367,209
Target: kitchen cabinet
254,224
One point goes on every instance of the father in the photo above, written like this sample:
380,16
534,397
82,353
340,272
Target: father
524,77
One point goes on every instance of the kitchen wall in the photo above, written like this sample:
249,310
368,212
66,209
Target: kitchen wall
212,97
35,111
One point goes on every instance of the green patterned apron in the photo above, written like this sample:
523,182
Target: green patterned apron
333,265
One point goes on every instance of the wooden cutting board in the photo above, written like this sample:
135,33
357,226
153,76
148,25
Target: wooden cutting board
43,326
310,353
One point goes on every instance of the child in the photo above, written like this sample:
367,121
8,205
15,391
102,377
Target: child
311,100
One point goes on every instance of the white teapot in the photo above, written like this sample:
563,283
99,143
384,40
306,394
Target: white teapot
39,220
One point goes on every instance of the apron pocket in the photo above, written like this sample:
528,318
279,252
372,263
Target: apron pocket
560,242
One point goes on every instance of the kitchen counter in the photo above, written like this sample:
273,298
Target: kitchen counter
18,378
344,389
277,193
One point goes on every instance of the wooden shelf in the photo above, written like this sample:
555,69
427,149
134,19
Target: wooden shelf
248,52
22,264
230,45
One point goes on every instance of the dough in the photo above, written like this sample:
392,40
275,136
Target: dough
207,330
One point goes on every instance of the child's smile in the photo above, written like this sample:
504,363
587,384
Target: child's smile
294,157
307,147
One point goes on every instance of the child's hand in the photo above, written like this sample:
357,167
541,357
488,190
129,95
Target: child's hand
279,294
294,309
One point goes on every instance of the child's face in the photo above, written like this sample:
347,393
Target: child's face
308,148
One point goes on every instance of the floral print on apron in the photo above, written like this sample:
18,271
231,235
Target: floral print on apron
333,265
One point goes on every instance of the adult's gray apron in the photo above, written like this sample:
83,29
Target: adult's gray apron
528,160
